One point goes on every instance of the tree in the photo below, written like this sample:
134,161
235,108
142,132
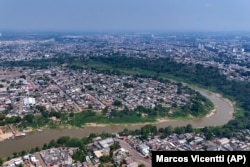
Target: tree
74,142
208,135
101,165
63,140
189,128
105,110
23,153
52,143
1,161
115,146
117,103
105,159
79,155
71,114
161,130
2,116
45,146
37,149
15,154
13,119
169,130
141,165
29,118
179,130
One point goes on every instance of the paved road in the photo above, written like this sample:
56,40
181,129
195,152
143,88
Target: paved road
137,156
38,156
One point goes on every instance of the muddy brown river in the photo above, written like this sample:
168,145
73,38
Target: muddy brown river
223,113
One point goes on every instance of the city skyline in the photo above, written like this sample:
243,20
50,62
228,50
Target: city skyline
145,15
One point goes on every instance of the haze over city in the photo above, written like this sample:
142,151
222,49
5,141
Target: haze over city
111,83
148,15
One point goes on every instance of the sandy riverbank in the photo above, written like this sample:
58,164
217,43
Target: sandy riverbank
5,136
227,101
211,112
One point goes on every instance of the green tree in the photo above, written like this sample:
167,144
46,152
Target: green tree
208,135
79,155
179,130
74,142
71,114
105,111
15,154
2,116
45,146
161,130
105,159
1,161
23,153
117,103
141,165
52,143
37,149
29,118
169,130
63,140
189,128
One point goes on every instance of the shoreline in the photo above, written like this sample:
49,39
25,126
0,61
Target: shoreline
5,136
37,137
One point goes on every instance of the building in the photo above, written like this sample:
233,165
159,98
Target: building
223,141
144,149
106,142
28,101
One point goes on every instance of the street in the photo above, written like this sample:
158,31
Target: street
137,156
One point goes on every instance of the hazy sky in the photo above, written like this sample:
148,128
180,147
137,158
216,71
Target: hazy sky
102,15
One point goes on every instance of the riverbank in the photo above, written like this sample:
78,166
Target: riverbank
158,122
218,117
221,116
5,136
93,124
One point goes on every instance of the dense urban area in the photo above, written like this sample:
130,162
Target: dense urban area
62,80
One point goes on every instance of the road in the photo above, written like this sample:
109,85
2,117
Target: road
135,155
38,156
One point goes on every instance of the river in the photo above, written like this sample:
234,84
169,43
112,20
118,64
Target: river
223,113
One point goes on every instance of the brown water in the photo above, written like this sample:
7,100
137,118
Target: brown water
222,115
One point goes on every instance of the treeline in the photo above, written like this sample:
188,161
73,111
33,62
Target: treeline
8,120
148,131
46,63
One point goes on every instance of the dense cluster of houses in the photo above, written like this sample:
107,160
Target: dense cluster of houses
67,90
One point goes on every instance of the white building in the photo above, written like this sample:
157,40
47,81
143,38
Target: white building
29,101
144,149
